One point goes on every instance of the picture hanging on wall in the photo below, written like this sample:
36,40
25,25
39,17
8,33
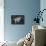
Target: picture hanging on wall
17,19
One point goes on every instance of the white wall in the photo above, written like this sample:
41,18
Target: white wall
43,6
1,20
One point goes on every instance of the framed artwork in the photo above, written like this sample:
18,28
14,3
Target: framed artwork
17,19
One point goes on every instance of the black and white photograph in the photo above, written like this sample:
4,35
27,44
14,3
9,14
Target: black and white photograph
17,19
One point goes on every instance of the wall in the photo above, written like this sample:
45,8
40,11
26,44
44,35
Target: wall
19,7
1,20
43,6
